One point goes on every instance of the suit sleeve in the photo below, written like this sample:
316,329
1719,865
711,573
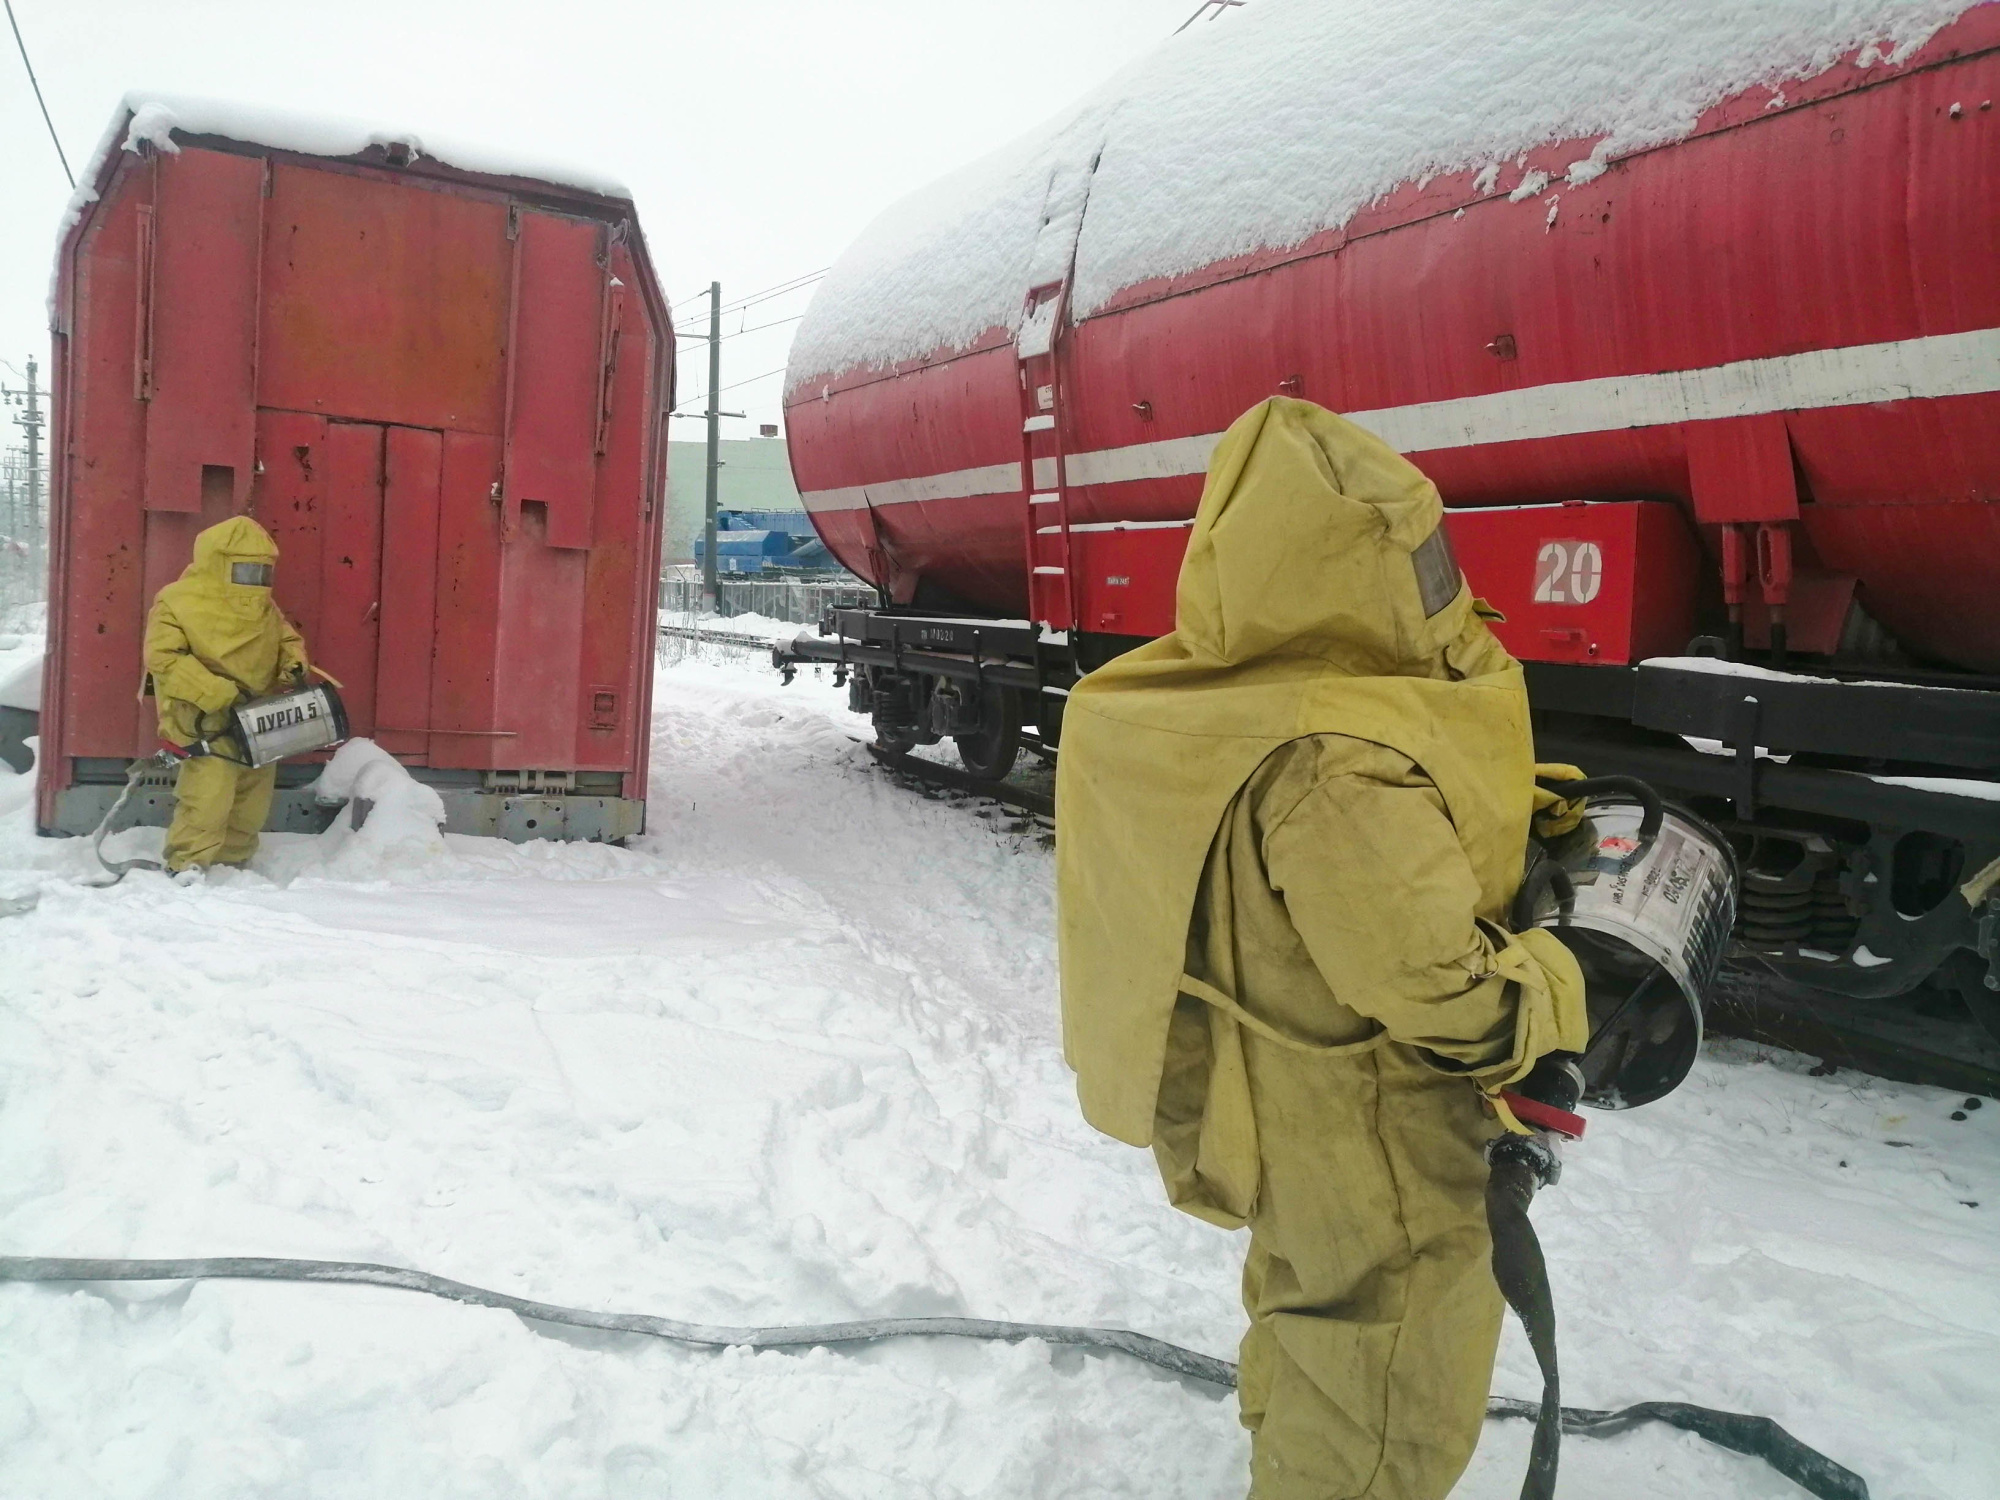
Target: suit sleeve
291,648
1383,896
176,671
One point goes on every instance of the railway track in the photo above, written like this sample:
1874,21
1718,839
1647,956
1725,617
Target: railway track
718,637
1878,1038
929,775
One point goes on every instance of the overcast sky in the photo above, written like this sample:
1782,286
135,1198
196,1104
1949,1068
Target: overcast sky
759,136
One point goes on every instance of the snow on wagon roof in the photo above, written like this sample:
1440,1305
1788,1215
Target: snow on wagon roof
153,117
146,117
1261,130
143,116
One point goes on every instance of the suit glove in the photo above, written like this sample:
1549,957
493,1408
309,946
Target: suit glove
1555,816
1541,1114
1540,1153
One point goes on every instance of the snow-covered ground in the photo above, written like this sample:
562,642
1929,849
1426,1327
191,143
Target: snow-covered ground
793,1057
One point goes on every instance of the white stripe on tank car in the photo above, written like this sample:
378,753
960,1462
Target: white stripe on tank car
1116,526
994,479
1950,364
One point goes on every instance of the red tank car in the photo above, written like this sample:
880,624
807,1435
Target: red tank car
437,379
1713,397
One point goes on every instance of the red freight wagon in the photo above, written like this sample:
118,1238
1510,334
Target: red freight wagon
1730,391
439,386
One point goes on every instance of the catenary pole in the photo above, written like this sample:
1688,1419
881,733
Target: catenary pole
30,420
33,422
714,415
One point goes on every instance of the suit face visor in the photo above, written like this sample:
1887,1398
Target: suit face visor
1438,578
256,574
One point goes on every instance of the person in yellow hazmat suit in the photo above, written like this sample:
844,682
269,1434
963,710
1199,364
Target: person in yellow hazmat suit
1290,833
216,638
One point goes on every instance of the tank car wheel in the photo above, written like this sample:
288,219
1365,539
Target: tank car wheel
990,754
895,741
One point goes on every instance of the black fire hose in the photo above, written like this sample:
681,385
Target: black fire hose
1524,1281
1758,1437
1546,875
1153,1351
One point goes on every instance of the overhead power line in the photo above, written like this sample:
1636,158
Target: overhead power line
702,338
797,283
35,84
753,379
685,401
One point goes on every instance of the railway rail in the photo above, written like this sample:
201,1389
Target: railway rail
735,638
1752,1002
929,774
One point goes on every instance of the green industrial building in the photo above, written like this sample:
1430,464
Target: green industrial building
756,475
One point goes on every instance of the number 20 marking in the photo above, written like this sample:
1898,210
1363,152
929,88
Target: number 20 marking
1568,572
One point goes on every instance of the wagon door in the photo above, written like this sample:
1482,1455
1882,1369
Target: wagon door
321,496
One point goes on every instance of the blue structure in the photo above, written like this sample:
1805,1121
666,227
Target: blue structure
754,541
790,522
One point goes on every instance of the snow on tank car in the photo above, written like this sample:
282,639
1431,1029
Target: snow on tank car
437,378
1692,311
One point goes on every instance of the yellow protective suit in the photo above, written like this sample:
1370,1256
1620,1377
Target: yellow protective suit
1290,830
210,642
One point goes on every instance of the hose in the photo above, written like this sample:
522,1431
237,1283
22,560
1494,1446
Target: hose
1755,1437
1523,1275
1759,1437
1543,876
1524,1281
1652,809
120,868
260,1268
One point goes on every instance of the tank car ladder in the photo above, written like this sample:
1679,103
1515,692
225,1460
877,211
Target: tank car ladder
1051,592
1051,580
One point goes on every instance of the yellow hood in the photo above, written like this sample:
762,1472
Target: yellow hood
206,629
216,550
1300,612
1303,547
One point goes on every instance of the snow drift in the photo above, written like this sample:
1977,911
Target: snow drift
795,1057
397,820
